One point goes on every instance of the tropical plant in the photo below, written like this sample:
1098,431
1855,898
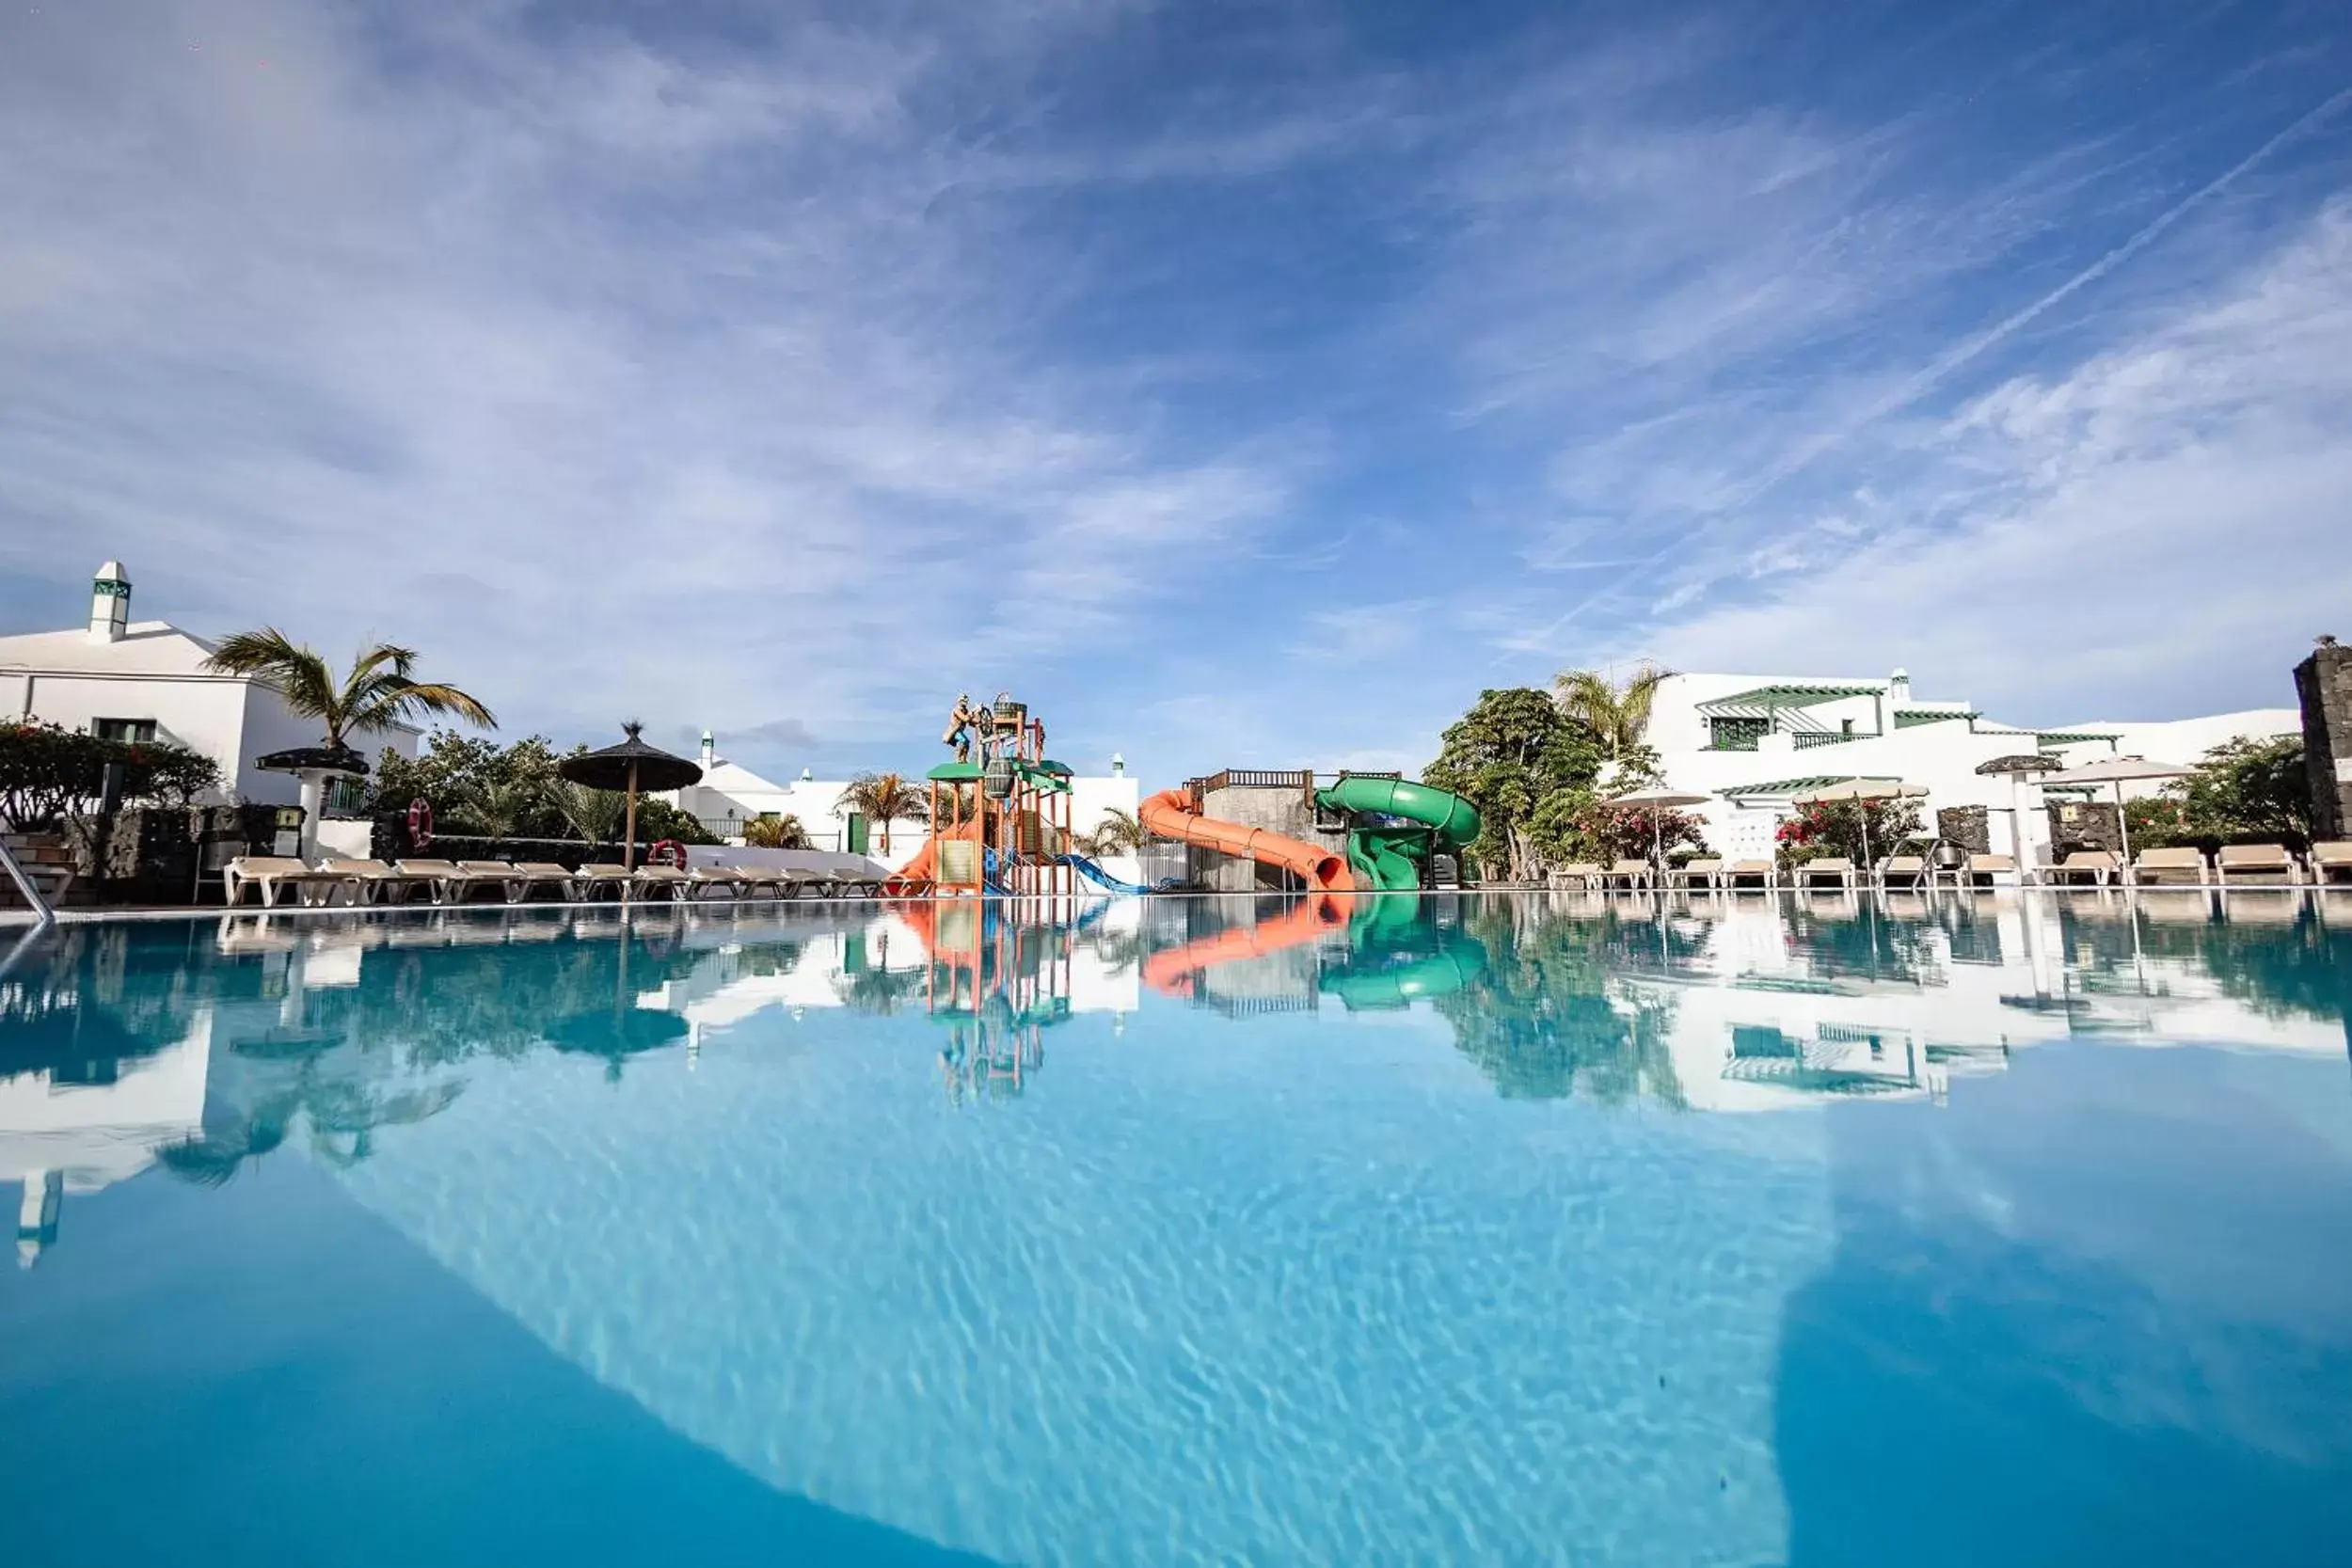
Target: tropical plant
1514,749
883,798
595,815
2249,788
377,692
1118,832
1616,714
1580,825
47,771
1836,828
769,831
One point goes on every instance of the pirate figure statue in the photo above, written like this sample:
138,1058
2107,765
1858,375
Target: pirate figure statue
959,733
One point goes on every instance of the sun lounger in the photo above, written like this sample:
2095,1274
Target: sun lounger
530,874
1576,874
1834,869
612,874
452,883
755,877
851,885
1989,870
2181,865
1903,871
474,874
702,879
2096,866
2331,862
795,881
661,882
1706,871
1762,874
379,881
271,876
2257,863
1630,875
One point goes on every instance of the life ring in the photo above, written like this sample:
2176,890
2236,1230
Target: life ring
669,851
420,822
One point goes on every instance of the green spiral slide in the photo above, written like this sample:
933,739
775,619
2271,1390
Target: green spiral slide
1388,856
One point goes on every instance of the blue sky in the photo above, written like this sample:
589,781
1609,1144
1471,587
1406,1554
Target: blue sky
1244,385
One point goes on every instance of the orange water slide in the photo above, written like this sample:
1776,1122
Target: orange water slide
1176,814
1176,970
917,874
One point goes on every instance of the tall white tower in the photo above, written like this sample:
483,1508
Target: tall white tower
110,604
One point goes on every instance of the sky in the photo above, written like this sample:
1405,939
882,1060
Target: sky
1242,385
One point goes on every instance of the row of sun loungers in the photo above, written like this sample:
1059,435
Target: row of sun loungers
2237,864
273,879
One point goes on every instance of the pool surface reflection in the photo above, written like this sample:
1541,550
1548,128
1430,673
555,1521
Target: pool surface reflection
1508,1229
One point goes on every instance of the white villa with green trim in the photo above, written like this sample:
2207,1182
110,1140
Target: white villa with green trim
1753,741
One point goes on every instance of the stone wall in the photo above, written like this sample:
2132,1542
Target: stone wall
2084,825
1970,827
2324,682
1283,809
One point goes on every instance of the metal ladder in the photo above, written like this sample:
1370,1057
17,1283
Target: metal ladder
43,914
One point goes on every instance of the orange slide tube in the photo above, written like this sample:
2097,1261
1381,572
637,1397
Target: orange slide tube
1176,970
916,874
1175,813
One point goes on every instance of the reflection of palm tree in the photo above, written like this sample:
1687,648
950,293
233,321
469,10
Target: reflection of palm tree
879,990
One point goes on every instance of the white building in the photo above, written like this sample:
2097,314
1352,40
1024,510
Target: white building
145,680
731,794
1752,741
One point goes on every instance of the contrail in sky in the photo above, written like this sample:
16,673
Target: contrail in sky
1934,374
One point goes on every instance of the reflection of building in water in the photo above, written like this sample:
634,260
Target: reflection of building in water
1841,994
89,1087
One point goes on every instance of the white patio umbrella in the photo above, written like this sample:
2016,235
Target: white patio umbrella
1657,798
2118,772
1858,790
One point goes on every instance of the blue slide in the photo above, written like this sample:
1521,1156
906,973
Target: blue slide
1101,877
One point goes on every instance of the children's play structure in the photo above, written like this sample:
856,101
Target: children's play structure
1001,825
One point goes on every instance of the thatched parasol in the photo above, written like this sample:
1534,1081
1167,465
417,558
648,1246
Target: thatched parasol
628,767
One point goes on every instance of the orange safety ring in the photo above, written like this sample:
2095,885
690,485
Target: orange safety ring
420,822
669,850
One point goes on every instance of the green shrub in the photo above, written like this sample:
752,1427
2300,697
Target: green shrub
47,771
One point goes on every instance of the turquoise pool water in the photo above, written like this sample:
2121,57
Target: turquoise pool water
1483,1229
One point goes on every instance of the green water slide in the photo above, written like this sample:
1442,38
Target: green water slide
1389,856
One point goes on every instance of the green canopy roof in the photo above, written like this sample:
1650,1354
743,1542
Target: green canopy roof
1796,786
955,773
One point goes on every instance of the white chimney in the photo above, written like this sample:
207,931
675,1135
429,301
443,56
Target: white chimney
710,752
1118,766
1898,688
110,604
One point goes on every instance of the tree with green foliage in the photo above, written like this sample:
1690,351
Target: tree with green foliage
1615,714
883,799
47,771
378,691
1512,750
2247,788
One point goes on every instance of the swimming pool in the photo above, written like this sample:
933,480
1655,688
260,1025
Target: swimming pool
1509,1228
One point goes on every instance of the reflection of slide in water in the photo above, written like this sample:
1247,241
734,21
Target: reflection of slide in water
1176,814
1176,970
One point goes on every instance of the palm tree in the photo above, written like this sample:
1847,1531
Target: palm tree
378,692
1616,716
595,815
883,798
1116,833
